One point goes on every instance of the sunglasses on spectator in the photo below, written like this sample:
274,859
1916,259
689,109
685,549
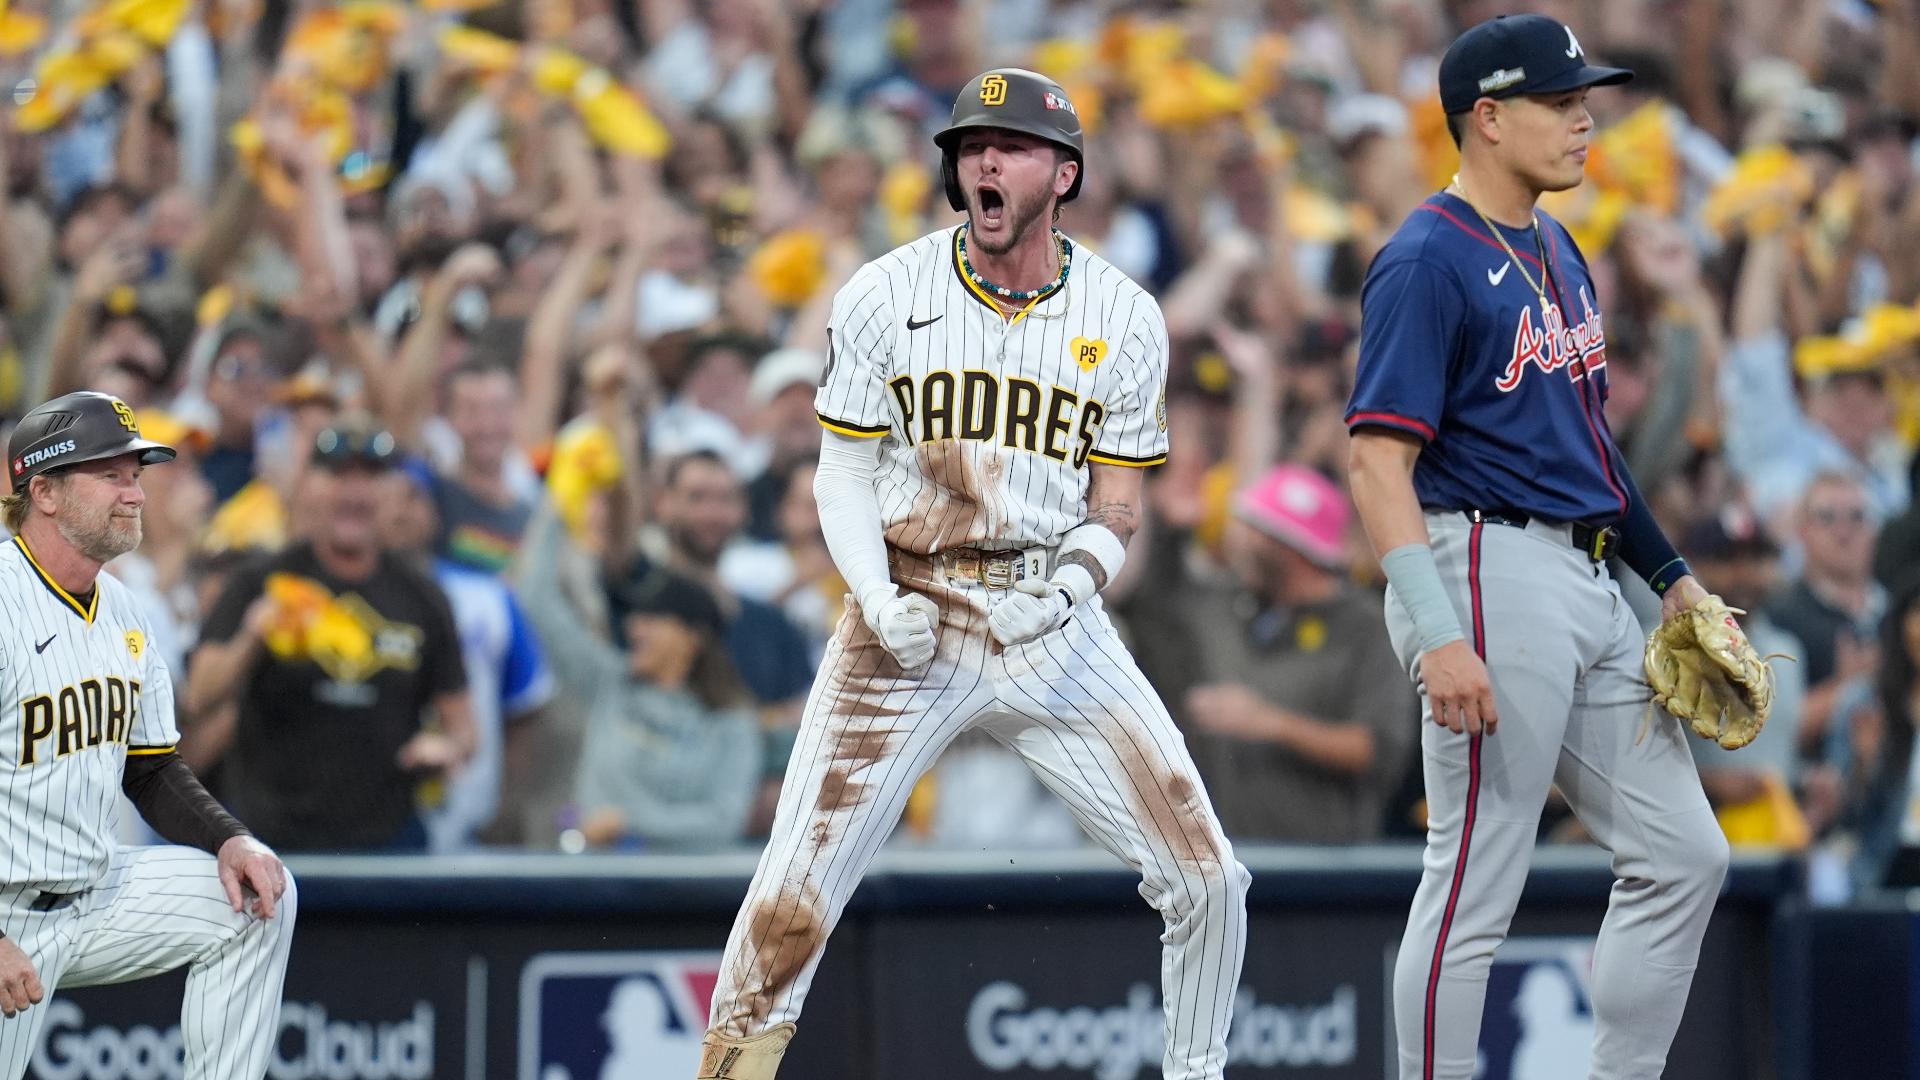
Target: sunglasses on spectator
233,368
337,448
1836,515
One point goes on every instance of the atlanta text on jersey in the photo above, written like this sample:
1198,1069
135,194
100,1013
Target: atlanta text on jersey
1580,347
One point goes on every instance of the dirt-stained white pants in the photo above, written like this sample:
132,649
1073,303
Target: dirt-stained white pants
1075,706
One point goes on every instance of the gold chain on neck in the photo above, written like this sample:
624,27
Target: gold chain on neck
1538,289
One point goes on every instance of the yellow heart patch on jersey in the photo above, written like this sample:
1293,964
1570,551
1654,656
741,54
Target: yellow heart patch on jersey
1087,353
136,643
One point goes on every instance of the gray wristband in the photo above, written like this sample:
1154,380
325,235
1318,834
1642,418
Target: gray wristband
1415,578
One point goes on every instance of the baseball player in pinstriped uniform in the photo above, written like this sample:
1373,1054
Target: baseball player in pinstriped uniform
1491,487
89,713
991,394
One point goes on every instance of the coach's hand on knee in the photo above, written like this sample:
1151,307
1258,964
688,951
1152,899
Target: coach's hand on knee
1458,689
19,983
904,625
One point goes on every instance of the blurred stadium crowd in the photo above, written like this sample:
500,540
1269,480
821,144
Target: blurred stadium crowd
489,333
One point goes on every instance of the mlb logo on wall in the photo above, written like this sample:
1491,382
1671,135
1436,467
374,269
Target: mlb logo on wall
1538,1023
608,1015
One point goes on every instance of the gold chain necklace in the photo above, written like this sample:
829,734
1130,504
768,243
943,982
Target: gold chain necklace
1538,289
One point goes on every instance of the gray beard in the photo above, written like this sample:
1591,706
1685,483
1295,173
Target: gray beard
103,544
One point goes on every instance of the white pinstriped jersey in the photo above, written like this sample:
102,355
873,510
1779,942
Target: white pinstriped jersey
82,688
988,423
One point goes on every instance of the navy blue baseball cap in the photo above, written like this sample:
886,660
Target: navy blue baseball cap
1517,54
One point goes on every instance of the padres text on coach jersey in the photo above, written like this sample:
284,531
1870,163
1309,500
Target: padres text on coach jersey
82,690
974,455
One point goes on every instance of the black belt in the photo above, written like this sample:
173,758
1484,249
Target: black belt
1597,542
52,901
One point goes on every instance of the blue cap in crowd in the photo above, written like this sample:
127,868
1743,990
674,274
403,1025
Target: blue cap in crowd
1517,54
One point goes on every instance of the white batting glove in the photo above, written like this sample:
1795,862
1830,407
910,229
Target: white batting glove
904,625
1035,609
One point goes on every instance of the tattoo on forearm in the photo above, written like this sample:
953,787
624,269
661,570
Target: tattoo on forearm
1121,519
1093,567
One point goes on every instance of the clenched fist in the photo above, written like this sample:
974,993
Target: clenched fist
1035,609
904,625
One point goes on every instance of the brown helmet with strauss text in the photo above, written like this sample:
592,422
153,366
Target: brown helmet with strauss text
82,426
1013,99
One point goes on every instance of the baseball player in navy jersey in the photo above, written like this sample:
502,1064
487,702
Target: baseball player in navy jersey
1492,490
89,714
992,393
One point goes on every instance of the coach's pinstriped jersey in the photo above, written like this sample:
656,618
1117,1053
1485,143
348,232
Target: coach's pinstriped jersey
989,423
82,689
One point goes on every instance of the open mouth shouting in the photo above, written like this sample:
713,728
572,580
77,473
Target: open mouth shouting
992,204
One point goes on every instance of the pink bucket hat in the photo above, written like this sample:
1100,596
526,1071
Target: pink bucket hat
1300,508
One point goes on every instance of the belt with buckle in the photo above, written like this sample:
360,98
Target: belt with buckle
1597,542
994,569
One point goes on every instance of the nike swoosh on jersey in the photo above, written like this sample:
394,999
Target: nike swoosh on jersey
1494,277
913,325
42,647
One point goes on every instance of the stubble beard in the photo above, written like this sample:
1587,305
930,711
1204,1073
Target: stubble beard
1022,216
100,535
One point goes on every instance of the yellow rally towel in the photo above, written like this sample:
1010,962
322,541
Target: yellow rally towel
1188,93
154,21
66,77
1767,185
477,50
348,46
1636,158
585,462
1770,819
790,266
255,519
19,32
1866,344
615,116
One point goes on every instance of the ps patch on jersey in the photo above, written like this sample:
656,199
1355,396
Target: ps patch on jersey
1087,354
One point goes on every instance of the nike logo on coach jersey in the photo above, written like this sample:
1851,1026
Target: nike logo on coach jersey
913,325
42,647
1495,277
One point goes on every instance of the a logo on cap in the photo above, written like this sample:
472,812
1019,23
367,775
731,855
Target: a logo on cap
125,413
1059,101
993,90
1573,45
1502,79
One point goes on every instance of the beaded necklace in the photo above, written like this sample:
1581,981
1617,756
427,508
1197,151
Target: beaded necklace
1017,295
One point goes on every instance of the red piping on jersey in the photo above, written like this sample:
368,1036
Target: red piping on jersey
1586,404
1392,420
1487,240
1473,806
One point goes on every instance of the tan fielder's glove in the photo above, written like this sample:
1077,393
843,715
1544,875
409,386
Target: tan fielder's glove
1704,671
